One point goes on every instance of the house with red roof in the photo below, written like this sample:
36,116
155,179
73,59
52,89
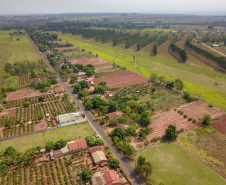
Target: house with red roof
112,178
115,114
77,145
95,148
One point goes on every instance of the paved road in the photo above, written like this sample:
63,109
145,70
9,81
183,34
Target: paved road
123,161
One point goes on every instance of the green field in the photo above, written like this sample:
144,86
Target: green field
198,80
68,133
15,50
173,166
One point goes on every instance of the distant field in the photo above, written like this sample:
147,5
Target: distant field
69,133
15,50
174,166
191,59
198,80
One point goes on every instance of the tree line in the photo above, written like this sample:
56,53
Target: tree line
181,52
221,61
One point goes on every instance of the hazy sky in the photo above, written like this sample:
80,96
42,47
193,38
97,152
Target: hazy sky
84,6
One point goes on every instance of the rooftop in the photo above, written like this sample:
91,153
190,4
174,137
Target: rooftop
98,156
95,148
111,177
115,114
77,144
98,179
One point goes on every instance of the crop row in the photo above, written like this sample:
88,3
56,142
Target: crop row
57,172
24,118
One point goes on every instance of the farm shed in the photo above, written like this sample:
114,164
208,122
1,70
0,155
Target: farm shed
98,179
70,118
115,114
77,144
111,177
99,158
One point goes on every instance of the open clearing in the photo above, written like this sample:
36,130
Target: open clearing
208,144
68,133
173,166
121,78
198,80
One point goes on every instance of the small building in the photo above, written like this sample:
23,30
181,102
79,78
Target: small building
47,115
115,114
56,154
93,95
77,145
70,118
112,178
98,155
98,179
109,94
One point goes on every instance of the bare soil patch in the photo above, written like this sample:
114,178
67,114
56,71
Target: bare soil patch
97,62
22,93
121,78
197,109
65,48
220,124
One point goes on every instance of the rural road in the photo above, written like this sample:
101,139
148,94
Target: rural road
125,164
214,50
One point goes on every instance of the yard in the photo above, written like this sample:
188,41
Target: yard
172,166
68,133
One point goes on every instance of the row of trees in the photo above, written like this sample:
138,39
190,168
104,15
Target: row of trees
145,42
221,61
136,38
181,52
117,41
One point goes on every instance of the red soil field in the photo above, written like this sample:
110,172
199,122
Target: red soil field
220,124
65,48
22,93
121,79
97,62
197,109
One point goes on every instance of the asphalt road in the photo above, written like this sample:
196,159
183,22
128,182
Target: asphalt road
128,169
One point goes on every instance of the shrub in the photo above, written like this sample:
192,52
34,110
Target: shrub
210,105
155,139
185,116
194,121
206,119
181,112
189,119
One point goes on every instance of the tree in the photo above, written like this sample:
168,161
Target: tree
98,141
97,101
114,163
77,88
65,96
9,151
206,119
90,140
170,84
143,167
33,75
112,106
86,174
129,151
8,67
60,144
84,84
41,98
140,163
155,50
154,77
81,94
118,132
145,119
49,146
179,84
171,132
26,104
88,73
161,79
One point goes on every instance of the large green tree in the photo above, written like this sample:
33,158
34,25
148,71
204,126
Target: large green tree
171,132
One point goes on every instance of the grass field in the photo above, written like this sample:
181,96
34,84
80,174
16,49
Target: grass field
173,166
15,50
68,133
163,51
198,80
207,143
147,49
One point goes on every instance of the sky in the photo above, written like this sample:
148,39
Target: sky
92,6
